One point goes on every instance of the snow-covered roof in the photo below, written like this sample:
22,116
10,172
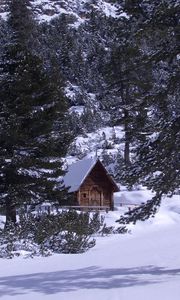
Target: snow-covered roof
77,172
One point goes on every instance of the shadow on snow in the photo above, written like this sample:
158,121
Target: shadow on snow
86,278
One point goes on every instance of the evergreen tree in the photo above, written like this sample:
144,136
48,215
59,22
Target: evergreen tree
128,80
157,155
33,131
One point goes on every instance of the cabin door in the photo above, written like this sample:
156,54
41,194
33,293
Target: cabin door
95,197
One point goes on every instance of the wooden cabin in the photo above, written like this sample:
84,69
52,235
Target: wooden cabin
91,185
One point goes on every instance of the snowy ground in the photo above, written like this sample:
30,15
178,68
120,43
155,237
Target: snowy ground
143,265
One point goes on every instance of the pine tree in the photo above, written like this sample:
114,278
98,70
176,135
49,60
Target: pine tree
33,130
157,155
127,80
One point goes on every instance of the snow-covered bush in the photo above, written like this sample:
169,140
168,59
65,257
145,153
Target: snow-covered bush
12,243
107,230
65,232
68,242
68,232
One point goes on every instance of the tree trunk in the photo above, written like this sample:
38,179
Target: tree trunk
10,213
127,138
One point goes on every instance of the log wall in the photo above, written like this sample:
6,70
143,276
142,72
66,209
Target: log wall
97,189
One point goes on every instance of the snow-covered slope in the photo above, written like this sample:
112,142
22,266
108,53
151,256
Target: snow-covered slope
45,10
93,143
142,265
83,86
3,9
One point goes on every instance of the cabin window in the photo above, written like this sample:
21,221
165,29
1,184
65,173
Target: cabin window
84,195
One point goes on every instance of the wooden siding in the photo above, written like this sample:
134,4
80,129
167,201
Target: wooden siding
97,189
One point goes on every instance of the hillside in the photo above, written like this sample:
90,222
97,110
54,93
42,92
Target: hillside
76,32
94,49
46,10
